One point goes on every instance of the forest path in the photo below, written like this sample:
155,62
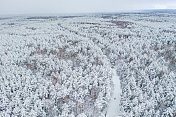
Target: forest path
114,105
113,109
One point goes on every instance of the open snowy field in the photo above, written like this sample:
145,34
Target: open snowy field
107,65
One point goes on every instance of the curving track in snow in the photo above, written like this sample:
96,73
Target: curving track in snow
113,107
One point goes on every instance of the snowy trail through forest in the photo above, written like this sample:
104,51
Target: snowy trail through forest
113,107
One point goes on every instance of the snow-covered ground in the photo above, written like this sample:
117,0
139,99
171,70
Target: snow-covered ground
114,105
61,66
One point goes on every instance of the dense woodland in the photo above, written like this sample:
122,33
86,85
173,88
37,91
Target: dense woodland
62,66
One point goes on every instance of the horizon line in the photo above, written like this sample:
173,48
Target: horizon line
81,13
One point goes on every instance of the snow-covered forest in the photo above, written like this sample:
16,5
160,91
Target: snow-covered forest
71,66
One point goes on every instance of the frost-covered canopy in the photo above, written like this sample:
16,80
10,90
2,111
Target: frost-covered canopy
61,66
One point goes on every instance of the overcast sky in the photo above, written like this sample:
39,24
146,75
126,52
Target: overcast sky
79,6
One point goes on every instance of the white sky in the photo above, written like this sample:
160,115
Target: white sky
80,6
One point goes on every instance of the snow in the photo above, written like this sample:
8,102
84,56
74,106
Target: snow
114,108
62,67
